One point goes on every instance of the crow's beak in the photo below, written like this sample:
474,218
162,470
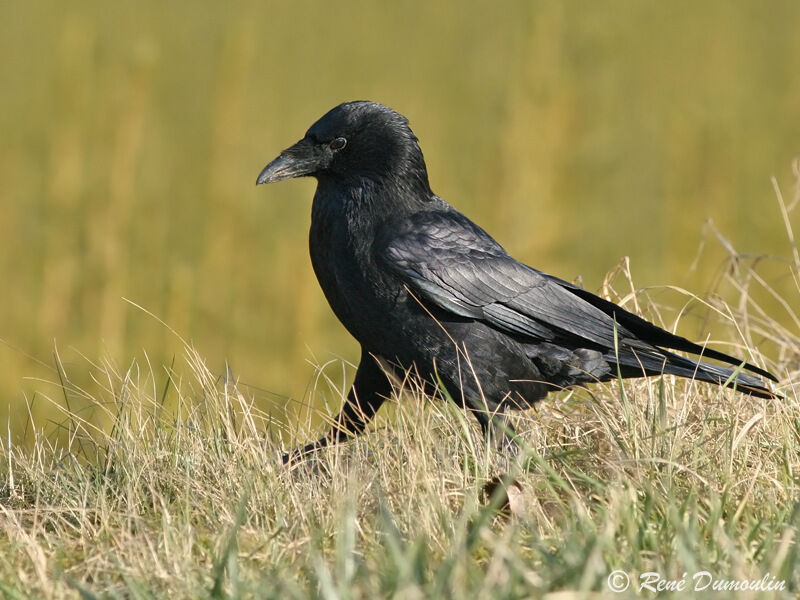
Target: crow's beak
299,160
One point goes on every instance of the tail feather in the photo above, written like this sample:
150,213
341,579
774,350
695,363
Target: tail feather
637,364
654,335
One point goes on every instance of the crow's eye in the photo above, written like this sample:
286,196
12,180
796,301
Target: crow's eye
338,143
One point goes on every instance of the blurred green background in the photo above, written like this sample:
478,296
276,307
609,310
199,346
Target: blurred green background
131,137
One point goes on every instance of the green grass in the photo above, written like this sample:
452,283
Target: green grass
183,495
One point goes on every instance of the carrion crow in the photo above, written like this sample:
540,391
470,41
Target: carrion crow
421,286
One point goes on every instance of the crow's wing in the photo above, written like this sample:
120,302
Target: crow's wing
446,259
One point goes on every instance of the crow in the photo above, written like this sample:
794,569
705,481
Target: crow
422,287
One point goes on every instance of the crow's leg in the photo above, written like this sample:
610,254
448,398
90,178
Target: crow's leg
502,491
370,389
498,431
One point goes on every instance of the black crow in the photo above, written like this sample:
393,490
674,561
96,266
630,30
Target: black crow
422,287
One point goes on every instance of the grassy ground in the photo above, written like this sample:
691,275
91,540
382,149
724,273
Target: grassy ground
184,495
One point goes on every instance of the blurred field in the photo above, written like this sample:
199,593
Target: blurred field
130,140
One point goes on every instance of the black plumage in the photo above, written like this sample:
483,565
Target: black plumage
420,285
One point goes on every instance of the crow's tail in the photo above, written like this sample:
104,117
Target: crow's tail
635,363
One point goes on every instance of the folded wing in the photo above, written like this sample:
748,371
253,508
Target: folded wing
446,259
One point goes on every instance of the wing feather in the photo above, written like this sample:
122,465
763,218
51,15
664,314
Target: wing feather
456,265
449,261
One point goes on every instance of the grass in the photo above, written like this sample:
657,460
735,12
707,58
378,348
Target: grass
183,495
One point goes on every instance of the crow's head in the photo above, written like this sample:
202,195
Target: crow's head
353,142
